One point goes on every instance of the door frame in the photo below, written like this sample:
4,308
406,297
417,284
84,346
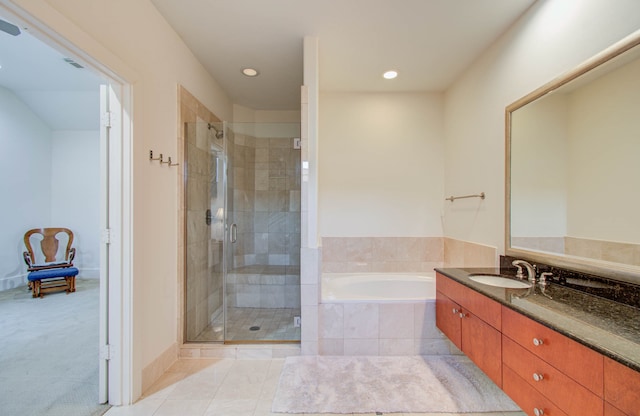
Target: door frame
117,313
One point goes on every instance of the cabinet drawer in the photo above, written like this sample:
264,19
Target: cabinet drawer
575,360
526,396
550,382
622,387
484,308
610,410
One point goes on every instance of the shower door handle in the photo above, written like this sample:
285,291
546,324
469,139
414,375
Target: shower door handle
233,233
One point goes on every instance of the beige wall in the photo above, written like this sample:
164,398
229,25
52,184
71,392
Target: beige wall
134,40
380,165
547,41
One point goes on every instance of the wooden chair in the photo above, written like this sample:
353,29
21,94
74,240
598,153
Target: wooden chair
48,269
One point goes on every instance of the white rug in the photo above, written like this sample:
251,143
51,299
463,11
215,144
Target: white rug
415,384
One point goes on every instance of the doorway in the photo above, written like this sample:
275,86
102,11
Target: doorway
110,279
242,232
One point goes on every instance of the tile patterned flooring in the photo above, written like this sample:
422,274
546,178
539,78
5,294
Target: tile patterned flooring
224,387
276,324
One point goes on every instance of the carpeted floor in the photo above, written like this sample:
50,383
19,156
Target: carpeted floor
415,384
49,359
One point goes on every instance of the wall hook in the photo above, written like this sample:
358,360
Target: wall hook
157,158
172,164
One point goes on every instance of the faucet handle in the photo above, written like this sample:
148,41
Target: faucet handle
519,273
543,277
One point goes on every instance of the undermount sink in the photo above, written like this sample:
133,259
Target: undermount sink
499,281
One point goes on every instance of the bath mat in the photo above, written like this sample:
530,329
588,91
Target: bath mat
415,384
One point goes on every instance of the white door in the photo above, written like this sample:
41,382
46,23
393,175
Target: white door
111,386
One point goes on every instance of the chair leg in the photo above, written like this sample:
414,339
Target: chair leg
71,284
35,287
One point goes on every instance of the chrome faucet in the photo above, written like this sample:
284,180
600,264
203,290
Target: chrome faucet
531,270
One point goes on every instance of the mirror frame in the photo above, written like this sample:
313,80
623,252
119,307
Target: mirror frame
617,271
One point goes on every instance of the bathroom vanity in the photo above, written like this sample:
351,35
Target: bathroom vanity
569,345
554,349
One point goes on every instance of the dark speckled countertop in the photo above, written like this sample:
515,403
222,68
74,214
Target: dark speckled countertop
612,328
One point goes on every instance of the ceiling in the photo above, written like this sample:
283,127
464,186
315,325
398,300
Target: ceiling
62,96
429,42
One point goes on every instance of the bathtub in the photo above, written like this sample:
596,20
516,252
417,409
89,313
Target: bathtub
378,287
379,314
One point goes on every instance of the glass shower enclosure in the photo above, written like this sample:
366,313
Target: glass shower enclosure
242,232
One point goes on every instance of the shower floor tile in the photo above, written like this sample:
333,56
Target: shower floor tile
275,324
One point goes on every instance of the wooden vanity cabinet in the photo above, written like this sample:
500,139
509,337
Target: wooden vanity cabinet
621,389
537,367
472,322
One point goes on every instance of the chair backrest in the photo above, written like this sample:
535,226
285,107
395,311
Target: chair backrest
49,245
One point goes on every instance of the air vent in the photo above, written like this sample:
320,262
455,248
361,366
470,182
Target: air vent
73,63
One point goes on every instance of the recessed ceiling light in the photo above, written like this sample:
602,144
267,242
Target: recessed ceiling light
390,74
250,72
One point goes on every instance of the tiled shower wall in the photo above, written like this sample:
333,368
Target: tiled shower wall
266,201
265,183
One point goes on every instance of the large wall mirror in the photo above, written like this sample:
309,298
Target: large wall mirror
573,168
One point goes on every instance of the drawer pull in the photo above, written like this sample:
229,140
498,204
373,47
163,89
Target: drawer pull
538,412
538,377
455,311
462,314
537,342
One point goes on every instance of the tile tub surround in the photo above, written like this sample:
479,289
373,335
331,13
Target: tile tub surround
381,329
390,329
381,254
402,254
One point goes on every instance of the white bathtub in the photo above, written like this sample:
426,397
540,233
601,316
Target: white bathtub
378,287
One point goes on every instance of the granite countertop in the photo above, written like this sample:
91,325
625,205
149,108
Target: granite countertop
609,327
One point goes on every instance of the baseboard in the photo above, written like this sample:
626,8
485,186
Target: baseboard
12,282
154,370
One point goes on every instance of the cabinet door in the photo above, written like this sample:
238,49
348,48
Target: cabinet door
622,387
448,318
483,345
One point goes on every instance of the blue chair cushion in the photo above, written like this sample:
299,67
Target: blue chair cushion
50,273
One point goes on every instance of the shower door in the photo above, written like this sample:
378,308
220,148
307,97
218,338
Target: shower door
242,232
262,289
205,205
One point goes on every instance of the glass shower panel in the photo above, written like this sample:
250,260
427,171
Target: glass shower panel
263,274
204,231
